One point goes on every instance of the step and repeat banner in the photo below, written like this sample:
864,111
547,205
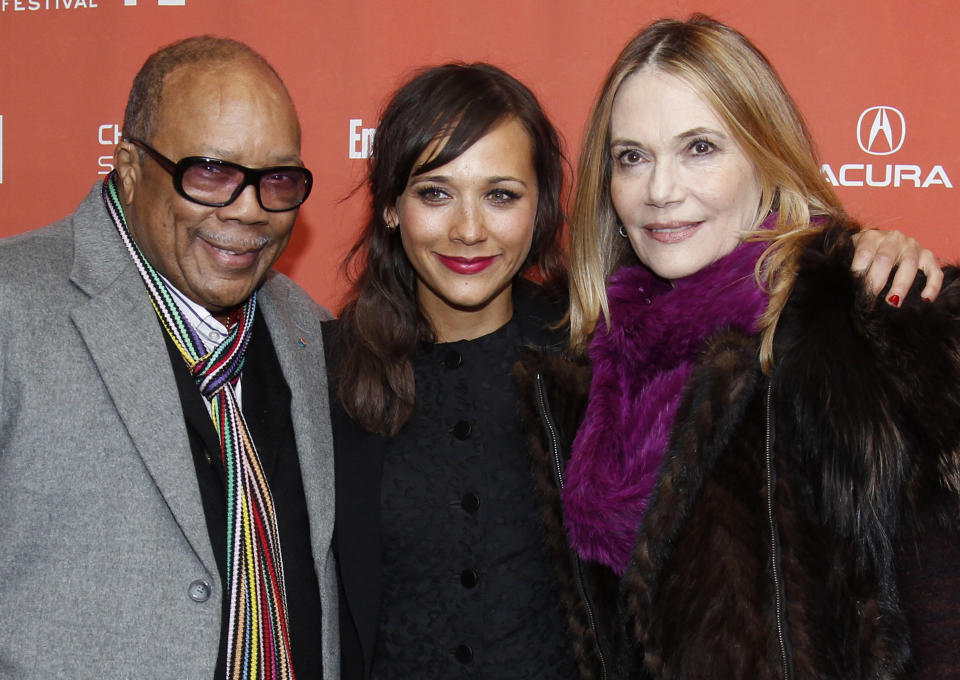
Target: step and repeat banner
876,80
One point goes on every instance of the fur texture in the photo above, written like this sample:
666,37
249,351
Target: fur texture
566,392
866,401
640,367
867,435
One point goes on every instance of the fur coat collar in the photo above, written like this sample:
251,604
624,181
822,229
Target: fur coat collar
640,367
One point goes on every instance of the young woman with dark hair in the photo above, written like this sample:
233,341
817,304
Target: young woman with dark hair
444,568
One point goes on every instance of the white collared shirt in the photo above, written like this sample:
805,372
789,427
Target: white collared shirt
211,331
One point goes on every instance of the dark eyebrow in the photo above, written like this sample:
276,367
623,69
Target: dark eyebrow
445,179
505,178
429,178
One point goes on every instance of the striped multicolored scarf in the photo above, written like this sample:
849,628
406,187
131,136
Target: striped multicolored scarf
258,640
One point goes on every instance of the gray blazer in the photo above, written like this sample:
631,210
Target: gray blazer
102,530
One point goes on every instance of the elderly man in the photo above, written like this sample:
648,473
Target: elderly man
166,480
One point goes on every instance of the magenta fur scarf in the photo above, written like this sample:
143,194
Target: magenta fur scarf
640,367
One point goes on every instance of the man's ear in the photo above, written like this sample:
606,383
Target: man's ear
129,166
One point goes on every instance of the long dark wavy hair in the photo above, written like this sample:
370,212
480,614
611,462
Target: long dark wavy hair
382,323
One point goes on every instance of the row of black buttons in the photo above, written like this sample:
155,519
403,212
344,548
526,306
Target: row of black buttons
470,502
453,359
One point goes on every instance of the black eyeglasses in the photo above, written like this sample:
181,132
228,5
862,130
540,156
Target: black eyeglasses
216,183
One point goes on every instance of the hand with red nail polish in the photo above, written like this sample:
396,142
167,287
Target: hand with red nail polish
878,252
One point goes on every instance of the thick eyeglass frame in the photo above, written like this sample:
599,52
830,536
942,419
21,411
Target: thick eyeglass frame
251,176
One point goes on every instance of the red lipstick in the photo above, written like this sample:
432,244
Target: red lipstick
466,265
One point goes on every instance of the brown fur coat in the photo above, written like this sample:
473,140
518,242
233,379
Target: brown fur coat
865,434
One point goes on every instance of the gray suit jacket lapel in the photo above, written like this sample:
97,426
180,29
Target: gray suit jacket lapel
295,331
121,332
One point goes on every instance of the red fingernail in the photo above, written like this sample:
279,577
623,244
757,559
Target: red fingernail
894,300
926,299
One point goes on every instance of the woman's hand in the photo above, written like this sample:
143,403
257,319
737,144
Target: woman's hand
877,252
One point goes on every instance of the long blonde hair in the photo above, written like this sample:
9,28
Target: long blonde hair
738,82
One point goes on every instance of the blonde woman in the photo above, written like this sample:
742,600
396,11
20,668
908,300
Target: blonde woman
784,441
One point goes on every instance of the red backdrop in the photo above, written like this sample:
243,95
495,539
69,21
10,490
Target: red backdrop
854,66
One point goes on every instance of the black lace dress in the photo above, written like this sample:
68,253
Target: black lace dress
468,587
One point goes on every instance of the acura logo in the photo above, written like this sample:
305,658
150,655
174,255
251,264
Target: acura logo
881,130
